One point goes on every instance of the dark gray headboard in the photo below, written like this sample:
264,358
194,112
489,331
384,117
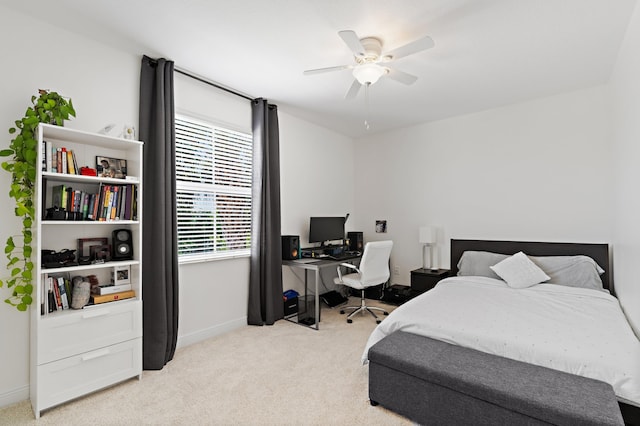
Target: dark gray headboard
598,252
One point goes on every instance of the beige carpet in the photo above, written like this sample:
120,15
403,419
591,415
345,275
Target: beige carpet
285,374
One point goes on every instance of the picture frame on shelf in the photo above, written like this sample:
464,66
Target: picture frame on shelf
121,275
86,250
100,253
111,167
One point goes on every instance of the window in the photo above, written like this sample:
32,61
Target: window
213,177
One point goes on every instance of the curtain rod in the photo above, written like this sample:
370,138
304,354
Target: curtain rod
211,83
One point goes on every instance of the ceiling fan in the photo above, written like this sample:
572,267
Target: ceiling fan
371,62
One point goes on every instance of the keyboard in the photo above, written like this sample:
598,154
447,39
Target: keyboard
344,255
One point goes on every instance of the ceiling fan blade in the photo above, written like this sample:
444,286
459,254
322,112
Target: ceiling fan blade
401,76
328,69
423,43
353,90
351,39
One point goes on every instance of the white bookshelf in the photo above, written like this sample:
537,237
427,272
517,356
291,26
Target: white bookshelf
78,351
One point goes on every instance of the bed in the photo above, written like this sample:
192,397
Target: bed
564,323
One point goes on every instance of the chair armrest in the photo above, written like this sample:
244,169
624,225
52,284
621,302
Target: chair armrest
346,265
349,265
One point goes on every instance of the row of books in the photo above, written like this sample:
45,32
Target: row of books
59,160
111,202
58,294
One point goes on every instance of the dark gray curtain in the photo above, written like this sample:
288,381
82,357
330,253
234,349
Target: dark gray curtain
159,234
265,277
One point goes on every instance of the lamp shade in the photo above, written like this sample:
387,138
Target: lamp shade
368,73
427,235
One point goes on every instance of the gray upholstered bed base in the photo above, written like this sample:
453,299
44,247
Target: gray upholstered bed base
435,383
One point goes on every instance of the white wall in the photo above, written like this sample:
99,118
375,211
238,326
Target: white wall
104,84
625,88
317,179
537,171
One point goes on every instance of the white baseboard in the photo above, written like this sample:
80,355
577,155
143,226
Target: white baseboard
14,396
207,333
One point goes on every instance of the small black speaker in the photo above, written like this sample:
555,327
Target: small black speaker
290,247
356,241
122,245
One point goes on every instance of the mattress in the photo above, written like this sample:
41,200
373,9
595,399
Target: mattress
576,330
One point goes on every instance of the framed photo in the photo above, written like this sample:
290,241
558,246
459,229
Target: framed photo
111,167
100,254
381,226
85,249
121,275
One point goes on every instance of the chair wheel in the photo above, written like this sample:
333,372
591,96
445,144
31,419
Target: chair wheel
349,321
386,313
378,321
341,312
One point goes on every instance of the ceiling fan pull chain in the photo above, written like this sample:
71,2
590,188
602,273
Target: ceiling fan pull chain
366,100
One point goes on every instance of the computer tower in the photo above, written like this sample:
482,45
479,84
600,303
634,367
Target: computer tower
356,240
290,247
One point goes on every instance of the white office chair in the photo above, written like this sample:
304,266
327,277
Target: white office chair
373,270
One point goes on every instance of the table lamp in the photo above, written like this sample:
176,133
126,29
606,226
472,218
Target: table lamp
427,237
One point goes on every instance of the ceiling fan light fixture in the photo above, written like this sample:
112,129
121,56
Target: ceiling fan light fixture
368,73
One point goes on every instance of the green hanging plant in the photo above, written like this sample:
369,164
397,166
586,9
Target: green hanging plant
49,108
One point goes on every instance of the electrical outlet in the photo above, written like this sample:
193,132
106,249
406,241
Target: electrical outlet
396,270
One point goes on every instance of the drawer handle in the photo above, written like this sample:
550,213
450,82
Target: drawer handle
93,314
96,354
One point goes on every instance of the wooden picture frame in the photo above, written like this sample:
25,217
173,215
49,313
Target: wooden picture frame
86,250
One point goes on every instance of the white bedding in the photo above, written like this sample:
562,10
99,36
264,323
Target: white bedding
580,331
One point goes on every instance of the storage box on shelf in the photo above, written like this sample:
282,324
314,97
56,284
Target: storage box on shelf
77,351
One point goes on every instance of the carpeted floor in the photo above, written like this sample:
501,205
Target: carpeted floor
284,374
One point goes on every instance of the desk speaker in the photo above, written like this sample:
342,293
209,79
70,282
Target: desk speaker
290,247
356,241
122,245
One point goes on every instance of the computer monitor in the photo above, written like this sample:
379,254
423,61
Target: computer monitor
323,229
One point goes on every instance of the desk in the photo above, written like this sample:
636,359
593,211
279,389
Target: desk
315,266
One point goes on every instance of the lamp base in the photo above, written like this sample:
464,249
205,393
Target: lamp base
426,265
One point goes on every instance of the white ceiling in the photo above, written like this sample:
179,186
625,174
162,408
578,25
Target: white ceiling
487,53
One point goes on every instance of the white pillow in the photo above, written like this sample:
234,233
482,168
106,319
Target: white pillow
519,272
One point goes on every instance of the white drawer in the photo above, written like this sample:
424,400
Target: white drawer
73,332
62,380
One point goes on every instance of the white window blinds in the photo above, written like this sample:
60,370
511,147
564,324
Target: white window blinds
213,174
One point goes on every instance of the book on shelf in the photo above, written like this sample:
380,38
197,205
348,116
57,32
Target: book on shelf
58,196
64,300
52,156
56,293
70,170
43,156
86,201
104,298
51,299
63,157
114,202
75,162
110,289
